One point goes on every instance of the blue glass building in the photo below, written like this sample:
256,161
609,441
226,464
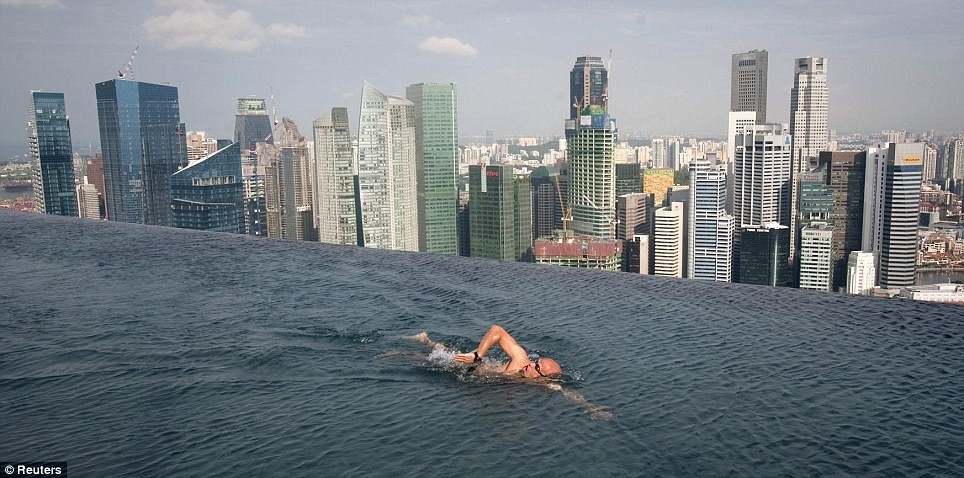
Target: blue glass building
208,195
48,131
143,143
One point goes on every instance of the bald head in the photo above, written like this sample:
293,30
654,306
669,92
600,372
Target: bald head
549,368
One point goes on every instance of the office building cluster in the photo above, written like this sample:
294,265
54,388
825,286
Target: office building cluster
783,204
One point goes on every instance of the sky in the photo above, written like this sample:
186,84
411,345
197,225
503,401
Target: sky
891,65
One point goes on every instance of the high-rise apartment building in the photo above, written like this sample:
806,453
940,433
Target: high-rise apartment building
668,241
48,132
845,171
710,228
387,185
334,193
143,143
809,112
251,123
208,195
748,83
892,201
500,219
436,165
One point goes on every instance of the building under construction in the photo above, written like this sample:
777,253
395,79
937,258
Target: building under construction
587,252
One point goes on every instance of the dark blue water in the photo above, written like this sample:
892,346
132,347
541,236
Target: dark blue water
142,351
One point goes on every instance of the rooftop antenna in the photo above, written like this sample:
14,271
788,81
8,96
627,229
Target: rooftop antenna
274,110
127,73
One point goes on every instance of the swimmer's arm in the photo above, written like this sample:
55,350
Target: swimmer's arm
595,411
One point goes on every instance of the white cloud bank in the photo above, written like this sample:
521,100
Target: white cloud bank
211,27
447,46
33,3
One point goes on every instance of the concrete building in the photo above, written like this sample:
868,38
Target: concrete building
288,195
334,185
251,124
710,229
591,174
88,200
761,182
636,254
861,273
668,241
816,256
809,112
748,84
633,215
949,293
580,251
548,198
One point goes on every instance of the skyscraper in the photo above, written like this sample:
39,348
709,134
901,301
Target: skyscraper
845,175
48,132
761,186
387,186
288,200
710,228
892,200
208,194
809,111
588,86
816,256
251,123
668,241
764,255
547,201
748,83
334,194
590,140
500,220
436,165
658,182
861,273
143,143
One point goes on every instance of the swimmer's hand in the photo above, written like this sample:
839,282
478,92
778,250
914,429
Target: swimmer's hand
465,358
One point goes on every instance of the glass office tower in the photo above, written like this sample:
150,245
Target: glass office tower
143,143
48,131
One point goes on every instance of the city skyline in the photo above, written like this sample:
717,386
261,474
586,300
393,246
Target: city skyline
670,63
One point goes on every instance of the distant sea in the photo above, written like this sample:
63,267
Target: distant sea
132,350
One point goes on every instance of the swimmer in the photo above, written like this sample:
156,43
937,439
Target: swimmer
519,364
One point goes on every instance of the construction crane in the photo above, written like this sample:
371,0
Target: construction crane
128,71
566,211
609,75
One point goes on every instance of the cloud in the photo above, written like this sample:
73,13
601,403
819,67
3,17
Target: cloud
447,46
211,27
418,21
33,3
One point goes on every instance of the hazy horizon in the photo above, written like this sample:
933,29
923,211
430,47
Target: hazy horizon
891,66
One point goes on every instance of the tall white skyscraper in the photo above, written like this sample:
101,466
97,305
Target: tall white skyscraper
861,273
761,180
668,241
809,112
710,228
334,194
892,188
748,85
386,171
